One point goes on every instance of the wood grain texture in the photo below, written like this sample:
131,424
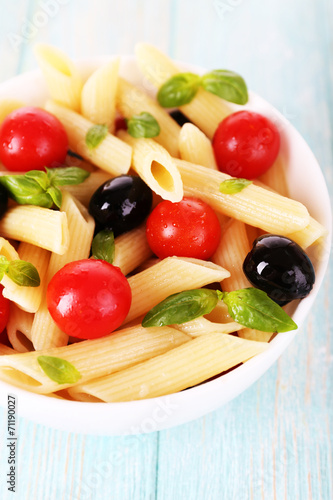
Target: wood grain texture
273,442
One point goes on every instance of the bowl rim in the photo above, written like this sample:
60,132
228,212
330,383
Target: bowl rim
181,403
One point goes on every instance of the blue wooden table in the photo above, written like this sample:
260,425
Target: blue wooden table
274,441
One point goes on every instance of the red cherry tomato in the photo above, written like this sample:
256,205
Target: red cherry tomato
88,298
4,310
31,139
189,228
246,144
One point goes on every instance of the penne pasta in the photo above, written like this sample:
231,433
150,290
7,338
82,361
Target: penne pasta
156,167
206,110
170,275
84,191
195,147
176,370
62,78
112,154
98,97
202,326
38,226
19,329
45,332
133,101
110,354
7,106
131,250
5,350
253,205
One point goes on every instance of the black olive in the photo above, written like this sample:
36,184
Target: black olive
278,266
3,200
179,117
121,204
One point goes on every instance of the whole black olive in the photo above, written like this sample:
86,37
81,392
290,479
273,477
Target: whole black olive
121,204
278,266
3,200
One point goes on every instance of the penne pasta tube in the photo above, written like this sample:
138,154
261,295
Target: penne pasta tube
255,335
202,326
311,233
98,97
133,101
206,110
170,275
29,298
230,254
253,205
176,370
61,75
39,226
45,332
19,329
112,154
7,106
194,146
110,354
5,350
156,167
131,250
84,191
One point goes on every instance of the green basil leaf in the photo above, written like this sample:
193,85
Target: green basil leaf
4,263
26,191
95,135
40,177
254,309
23,273
178,90
56,195
182,307
232,186
67,176
226,84
59,370
143,125
103,246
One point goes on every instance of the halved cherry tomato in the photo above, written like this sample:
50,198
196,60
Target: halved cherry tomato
189,228
4,310
31,139
246,144
88,298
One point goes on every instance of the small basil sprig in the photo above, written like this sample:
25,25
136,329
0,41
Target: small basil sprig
21,272
95,135
232,186
182,307
253,308
103,246
59,370
143,125
42,188
181,88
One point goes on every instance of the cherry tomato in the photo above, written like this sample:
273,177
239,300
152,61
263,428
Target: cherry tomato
4,310
31,139
189,228
246,144
88,298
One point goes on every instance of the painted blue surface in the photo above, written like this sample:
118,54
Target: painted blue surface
274,441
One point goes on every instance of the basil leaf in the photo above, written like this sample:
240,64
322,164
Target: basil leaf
40,177
178,90
56,195
67,176
254,309
182,307
143,125
226,84
26,191
23,273
59,370
232,186
103,246
95,135
4,263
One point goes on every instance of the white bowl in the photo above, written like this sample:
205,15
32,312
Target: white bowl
306,184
